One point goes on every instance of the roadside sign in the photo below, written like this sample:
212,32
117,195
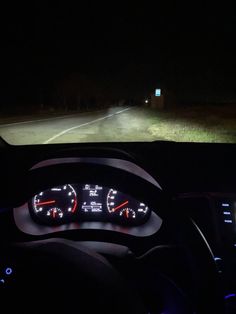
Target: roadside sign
158,92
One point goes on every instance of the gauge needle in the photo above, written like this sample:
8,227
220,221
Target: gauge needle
127,213
54,213
119,206
45,203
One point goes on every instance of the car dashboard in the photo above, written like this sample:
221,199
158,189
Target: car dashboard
55,191
74,206
87,206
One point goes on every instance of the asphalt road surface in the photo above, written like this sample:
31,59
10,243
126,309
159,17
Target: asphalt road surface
113,124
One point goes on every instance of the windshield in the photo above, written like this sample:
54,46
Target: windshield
114,73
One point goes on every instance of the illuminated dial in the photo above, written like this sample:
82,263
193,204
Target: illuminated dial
128,213
125,207
55,213
55,204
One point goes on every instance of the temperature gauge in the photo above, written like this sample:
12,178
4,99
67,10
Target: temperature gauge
55,213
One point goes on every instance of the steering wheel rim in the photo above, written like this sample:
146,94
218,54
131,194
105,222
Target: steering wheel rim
69,278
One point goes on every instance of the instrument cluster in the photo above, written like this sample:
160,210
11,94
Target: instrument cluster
88,202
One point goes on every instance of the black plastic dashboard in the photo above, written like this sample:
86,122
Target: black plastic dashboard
198,178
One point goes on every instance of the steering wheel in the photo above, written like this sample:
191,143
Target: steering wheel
61,275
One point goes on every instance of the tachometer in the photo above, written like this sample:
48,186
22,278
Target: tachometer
55,205
126,208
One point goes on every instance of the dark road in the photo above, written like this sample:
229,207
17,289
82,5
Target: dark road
113,124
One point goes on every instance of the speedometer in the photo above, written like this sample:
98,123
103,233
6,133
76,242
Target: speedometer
55,205
126,208
61,205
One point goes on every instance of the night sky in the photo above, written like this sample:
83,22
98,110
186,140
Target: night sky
129,50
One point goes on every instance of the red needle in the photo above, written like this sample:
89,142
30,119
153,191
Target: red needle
54,213
45,203
119,206
127,213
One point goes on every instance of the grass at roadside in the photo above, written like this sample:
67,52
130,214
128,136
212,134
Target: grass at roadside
194,124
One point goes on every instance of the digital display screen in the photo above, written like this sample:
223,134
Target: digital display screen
92,199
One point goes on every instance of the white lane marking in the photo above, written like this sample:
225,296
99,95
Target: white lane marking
118,112
55,118
83,124
39,120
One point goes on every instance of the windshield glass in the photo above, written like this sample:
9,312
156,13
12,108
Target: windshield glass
111,73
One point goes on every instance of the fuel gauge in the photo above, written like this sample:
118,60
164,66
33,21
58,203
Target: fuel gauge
128,213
